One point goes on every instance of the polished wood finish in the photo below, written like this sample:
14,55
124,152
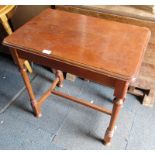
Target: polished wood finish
111,128
94,36
48,92
144,86
106,52
83,102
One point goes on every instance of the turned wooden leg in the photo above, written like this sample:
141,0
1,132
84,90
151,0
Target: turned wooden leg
23,70
111,128
59,74
34,104
120,92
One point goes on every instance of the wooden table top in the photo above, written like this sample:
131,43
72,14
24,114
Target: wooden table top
111,48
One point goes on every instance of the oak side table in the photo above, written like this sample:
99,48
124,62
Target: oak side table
103,51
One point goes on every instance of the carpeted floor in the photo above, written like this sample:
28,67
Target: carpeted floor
65,125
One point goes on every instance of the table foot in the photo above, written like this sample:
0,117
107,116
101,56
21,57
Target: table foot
111,129
39,115
106,143
108,136
36,109
60,85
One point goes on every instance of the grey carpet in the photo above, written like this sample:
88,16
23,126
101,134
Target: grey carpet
11,82
65,125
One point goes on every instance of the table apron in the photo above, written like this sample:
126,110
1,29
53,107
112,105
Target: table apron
70,68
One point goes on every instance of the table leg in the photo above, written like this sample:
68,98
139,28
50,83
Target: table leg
120,95
59,74
111,128
23,70
33,100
